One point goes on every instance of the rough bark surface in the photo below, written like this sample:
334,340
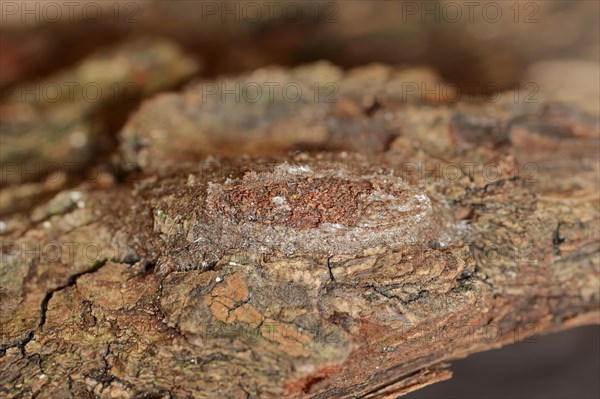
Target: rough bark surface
53,130
307,270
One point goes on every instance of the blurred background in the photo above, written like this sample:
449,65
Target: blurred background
72,72
561,365
494,41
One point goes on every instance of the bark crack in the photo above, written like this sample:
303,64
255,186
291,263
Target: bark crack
71,281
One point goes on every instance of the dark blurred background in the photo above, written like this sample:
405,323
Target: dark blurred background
496,41
561,365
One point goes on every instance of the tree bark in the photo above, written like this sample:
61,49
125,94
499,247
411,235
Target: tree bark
308,269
